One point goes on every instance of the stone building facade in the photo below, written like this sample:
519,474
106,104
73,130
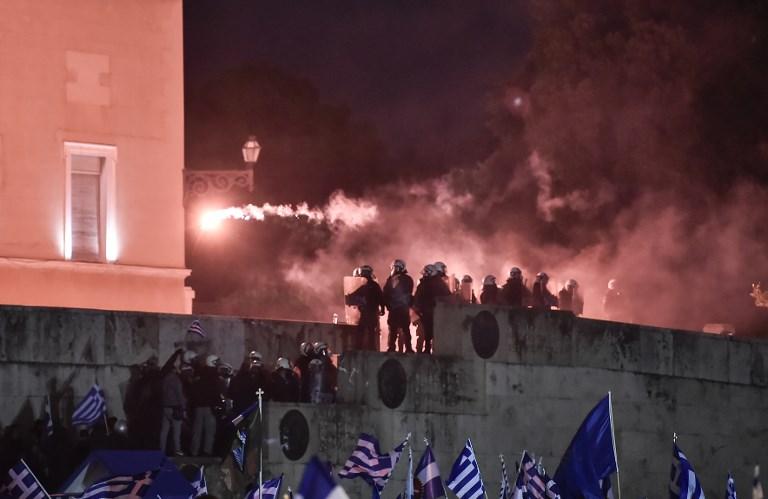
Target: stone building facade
91,155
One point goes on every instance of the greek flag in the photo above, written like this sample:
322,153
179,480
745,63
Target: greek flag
684,484
730,488
465,480
429,475
91,408
536,483
317,483
199,483
757,487
368,463
196,328
119,487
239,452
269,489
23,484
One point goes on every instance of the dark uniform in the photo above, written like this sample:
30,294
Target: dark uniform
429,290
370,300
398,298
490,295
514,293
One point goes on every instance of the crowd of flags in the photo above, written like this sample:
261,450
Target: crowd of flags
585,470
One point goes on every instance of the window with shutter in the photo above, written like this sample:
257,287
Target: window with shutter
90,226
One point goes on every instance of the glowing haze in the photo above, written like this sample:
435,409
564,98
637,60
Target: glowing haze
632,146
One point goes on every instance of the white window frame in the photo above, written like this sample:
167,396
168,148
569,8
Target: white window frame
108,235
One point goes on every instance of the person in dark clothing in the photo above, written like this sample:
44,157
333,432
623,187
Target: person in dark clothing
323,376
370,300
515,293
614,303
301,366
205,394
570,299
541,297
490,294
285,383
398,298
251,377
465,295
430,289
173,402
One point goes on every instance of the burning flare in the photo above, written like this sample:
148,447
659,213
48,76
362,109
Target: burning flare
340,209
760,296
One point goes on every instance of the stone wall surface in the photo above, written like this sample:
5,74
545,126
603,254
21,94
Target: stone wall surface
507,379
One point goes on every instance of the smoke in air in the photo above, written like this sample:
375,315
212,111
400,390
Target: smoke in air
609,163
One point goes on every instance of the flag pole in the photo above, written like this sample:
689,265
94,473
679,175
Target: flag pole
260,392
613,440
38,481
106,425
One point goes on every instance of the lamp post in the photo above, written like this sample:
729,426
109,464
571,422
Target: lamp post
251,150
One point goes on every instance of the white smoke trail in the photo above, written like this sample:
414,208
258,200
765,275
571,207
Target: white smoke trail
340,210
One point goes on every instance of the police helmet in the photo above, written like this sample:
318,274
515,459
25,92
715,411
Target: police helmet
515,272
397,266
466,279
542,277
571,284
283,363
489,280
442,269
320,347
306,348
429,270
366,271
211,360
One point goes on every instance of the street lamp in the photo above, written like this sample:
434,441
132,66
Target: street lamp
251,150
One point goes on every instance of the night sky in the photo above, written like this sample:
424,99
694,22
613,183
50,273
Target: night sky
592,139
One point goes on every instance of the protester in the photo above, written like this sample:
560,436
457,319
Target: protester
174,404
205,396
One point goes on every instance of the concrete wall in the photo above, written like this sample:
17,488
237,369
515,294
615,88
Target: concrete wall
529,392
99,72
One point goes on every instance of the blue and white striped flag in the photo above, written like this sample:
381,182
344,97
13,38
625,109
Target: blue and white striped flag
269,489
505,490
199,484
465,479
196,328
730,488
428,474
239,452
368,463
317,483
684,484
91,408
118,487
23,484
535,483
48,416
